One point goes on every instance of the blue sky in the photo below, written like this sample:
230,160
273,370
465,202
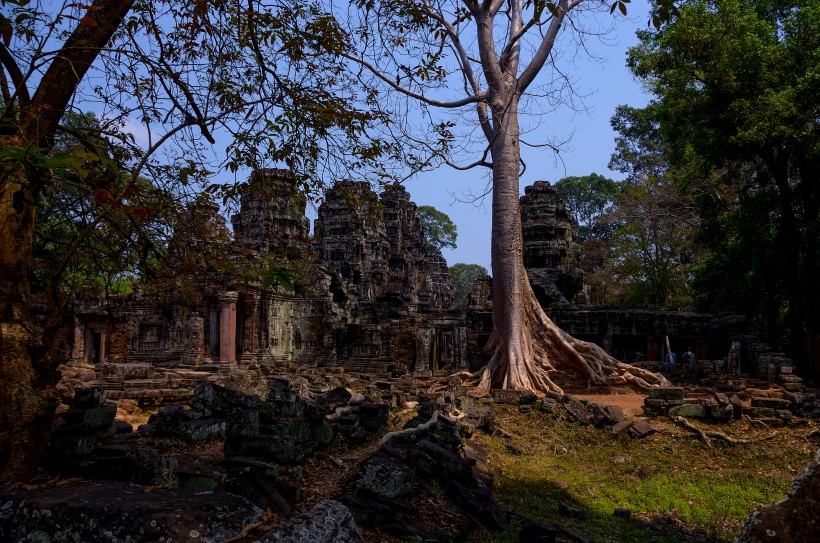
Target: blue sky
608,83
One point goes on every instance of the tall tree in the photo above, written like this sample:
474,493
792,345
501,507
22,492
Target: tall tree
462,276
589,198
737,91
439,230
654,242
485,56
265,74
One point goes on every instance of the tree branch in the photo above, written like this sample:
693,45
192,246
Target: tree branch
407,92
545,48
71,64
16,78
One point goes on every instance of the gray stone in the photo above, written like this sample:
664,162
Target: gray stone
201,430
328,522
215,400
641,428
793,519
620,426
666,393
431,459
771,403
116,512
321,431
158,471
578,411
691,410
276,448
615,413
385,477
86,398
95,419
506,396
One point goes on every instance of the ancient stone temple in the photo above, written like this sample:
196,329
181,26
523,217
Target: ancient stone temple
371,296
551,250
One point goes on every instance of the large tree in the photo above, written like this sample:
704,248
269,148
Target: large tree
485,56
589,198
738,100
180,73
439,230
654,251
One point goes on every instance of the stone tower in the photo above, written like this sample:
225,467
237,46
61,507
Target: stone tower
271,212
551,250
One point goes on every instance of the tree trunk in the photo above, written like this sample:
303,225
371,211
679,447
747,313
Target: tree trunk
528,349
27,395
28,375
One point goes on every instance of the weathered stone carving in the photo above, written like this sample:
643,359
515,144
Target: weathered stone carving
551,250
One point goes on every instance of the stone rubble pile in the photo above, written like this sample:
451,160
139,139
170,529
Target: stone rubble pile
409,465
771,405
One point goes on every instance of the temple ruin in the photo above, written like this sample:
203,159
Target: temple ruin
373,298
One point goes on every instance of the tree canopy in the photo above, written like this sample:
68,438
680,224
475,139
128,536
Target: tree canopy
266,77
462,277
737,102
439,230
589,198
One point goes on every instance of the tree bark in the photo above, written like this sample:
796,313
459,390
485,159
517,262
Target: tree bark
27,373
27,394
528,349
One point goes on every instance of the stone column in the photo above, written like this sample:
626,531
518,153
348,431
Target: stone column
423,341
227,327
78,348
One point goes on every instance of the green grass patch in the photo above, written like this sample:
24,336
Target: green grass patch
676,488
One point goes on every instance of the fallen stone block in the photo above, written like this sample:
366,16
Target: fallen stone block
431,459
506,396
666,393
103,511
793,519
615,413
620,426
578,411
91,420
218,401
771,403
384,476
87,398
328,522
689,410
641,428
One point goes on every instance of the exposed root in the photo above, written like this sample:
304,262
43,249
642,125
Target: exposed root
536,350
689,426
707,435
410,431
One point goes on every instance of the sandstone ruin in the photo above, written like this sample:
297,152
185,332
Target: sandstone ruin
376,299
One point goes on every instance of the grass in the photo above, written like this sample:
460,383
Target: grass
676,488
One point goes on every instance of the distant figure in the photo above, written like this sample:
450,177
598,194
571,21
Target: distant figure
688,357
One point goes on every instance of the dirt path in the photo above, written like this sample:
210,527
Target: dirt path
632,404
